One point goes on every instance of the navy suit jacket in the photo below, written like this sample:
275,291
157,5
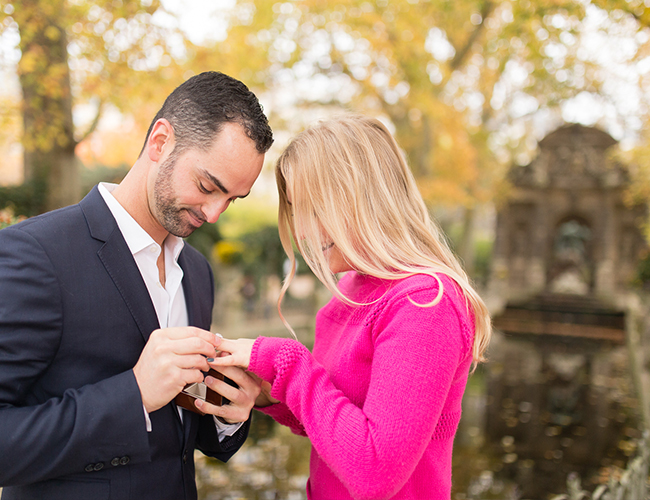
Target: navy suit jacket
75,315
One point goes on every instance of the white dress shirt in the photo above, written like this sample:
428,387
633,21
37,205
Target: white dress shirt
168,300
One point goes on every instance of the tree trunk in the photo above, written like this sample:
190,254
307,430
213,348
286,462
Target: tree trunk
48,139
466,250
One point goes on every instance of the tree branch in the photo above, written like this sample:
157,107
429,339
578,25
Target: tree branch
459,58
94,123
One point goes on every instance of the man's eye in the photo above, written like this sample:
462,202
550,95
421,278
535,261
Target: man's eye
203,189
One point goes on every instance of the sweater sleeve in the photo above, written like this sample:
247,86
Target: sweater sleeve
280,412
374,449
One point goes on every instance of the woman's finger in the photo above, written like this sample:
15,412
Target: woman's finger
222,359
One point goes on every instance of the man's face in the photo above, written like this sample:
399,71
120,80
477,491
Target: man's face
197,186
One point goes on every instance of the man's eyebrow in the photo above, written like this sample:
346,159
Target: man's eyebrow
215,181
218,183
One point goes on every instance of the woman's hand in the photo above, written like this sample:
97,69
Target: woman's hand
238,353
234,353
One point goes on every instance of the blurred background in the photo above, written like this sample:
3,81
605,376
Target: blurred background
526,124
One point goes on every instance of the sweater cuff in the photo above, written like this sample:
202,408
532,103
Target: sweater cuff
263,354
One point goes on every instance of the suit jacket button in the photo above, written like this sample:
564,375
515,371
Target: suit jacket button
185,456
98,466
124,460
115,462
89,468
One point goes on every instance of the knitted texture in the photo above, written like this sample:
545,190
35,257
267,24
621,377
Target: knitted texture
380,398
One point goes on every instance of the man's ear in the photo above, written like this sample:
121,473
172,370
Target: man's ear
160,139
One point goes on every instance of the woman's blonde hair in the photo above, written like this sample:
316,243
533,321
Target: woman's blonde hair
346,181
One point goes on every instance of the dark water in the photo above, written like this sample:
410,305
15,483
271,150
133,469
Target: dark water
273,464
541,411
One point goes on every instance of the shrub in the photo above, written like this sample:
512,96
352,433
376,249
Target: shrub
7,218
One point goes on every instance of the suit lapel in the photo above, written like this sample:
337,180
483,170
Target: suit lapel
121,267
190,420
119,262
192,305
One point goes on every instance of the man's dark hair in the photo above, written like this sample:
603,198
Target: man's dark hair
198,108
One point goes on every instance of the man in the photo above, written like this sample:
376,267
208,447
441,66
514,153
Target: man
87,376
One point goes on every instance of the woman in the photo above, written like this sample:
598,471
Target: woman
380,397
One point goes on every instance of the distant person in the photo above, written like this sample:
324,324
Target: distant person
248,292
87,377
380,396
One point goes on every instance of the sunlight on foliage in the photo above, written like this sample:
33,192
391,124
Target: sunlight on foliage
228,252
248,216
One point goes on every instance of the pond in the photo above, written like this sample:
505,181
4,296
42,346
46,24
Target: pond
273,464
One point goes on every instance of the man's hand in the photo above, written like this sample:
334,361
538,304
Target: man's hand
241,398
171,359
265,398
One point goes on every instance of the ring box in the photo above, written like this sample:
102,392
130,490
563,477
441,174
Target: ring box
200,391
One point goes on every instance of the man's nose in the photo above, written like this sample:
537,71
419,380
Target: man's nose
212,211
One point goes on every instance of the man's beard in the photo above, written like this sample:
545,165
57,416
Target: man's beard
168,213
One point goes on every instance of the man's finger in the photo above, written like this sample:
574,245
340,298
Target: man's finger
192,361
236,374
192,376
229,413
192,345
224,344
224,388
184,332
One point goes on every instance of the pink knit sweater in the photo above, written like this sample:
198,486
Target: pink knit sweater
380,398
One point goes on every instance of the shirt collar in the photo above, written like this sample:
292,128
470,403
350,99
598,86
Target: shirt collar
137,239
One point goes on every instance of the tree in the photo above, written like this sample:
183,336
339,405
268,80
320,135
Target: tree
72,51
455,79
